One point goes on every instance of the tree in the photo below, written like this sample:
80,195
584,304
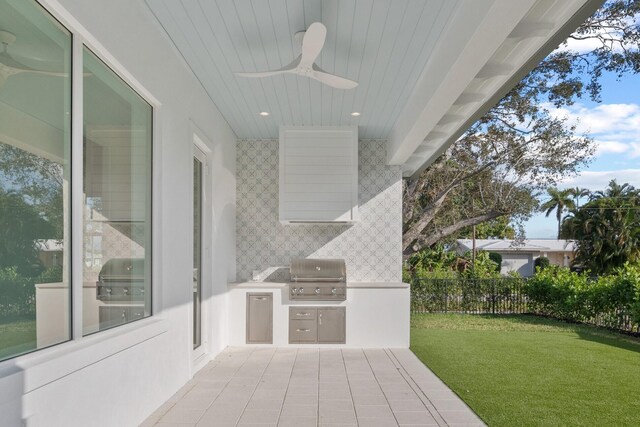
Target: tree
606,229
541,263
560,201
578,193
20,227
497,258
500,166
499,228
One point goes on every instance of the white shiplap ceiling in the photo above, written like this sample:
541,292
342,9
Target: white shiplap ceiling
382,44
427,69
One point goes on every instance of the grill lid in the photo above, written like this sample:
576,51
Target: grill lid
318,270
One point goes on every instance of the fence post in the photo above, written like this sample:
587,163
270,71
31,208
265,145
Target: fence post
446,296
493,296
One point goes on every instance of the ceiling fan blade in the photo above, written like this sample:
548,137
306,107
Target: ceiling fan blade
289,68
48,73
331,79
261,73
312,44
13,67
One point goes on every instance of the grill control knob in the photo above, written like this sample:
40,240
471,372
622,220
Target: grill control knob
317,291
334,291
294,290
301,291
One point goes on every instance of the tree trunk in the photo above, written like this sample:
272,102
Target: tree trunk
418,226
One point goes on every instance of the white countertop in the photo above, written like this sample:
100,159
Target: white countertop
350,285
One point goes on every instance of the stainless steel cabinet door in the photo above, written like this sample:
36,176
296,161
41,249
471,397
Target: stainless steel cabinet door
331,325
260,318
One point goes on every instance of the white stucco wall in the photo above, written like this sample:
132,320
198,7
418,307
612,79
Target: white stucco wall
85,383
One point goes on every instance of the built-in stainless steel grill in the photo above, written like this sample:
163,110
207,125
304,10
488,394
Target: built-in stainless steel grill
318,280
121,280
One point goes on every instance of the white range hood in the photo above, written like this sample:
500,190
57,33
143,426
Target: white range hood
318,174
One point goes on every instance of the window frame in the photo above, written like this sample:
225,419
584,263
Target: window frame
148,209
59,360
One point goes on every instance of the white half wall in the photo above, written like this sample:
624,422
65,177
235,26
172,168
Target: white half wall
118,377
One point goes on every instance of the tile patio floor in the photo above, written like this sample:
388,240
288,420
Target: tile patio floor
301,387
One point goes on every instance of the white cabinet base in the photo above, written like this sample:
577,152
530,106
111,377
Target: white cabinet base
376,316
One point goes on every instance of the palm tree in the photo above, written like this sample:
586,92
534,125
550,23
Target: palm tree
559,200
607,229
615,190
577,193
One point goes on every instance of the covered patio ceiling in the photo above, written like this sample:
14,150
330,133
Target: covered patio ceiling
427,69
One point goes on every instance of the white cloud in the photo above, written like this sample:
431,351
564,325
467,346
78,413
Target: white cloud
604,118
615,127
599,180
635,149
580,46
604,146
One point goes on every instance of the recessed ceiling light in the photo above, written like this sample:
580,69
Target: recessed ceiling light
264,113
355,114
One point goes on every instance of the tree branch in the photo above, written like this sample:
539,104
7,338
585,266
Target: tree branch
432,239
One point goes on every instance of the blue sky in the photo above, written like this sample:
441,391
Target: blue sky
614,124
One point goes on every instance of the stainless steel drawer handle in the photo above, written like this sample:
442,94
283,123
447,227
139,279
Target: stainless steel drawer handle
303,314
261,298
303,330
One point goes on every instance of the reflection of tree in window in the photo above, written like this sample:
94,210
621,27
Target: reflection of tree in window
30,207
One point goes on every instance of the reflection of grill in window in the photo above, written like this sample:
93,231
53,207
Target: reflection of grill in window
121,280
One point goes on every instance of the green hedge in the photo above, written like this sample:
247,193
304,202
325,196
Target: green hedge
18,293
612,301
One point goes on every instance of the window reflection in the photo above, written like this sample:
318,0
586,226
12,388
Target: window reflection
35,100
117,200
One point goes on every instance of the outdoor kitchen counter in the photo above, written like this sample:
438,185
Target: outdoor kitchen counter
361,285
377,313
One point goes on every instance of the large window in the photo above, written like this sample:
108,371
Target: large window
35,105
117,200
39,204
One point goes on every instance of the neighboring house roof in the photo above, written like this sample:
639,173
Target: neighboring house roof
49,245
527,245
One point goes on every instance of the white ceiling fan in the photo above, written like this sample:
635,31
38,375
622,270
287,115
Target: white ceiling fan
312,42
10,67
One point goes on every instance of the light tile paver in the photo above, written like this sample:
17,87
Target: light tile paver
311,387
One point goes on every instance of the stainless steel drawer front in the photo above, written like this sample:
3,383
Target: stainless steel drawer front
303,331
302,313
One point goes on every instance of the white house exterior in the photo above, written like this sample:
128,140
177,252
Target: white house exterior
520,256
168,171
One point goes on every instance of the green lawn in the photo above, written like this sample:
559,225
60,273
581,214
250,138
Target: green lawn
17,336
531,371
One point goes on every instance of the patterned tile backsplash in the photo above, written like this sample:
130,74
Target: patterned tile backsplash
372,247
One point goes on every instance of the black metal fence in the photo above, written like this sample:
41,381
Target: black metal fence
496,296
